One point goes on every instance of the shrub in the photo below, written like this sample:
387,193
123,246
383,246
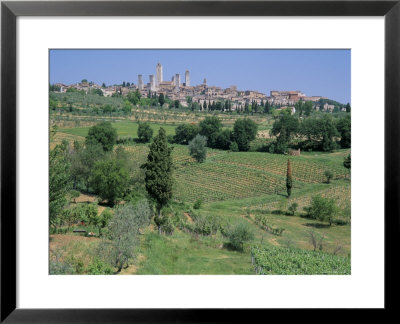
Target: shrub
104,134
197,204
185,133
59,266
292,208
98,267
234,147
74,194
239,234
205,225
323,209
167,227
123,233
197,148
145,132
329,175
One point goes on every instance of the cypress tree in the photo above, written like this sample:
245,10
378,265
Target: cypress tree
289,181
158,173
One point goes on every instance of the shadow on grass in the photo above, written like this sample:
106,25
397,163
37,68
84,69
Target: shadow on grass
230,247
316,225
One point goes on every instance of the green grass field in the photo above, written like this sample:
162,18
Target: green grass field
123,127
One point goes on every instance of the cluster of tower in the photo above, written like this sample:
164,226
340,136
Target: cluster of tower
155,82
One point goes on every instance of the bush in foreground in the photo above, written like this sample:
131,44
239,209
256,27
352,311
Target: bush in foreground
239,234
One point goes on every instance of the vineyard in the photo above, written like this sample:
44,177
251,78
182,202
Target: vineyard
341,193
305,169
230,176
291,261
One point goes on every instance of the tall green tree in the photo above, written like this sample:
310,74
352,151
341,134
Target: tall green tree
59,181
104,134
109,180
344,128
289,180
185,132
244,131
82,163
285,129
161,99
210,127
158,173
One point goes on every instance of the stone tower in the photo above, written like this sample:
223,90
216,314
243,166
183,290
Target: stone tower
152,82
159,74
177,81
187,78
140,82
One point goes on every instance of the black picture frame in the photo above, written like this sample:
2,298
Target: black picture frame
10,10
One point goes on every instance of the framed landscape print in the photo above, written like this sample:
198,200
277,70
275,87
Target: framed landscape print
181,162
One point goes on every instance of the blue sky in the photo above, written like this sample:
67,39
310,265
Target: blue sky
314,72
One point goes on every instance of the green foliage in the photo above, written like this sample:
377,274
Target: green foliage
344,128
198,203
58,265
197,148
123,233
291,261
74,194
53,87
109,180
158,171
347,162
289,180
223,140
59,181
320,133
99,221
69,217
323,209
329,175
244,131
95,91
104,134
239,234
293,207
145,132
81,212
82,163
161,99
204,225
185,133
210,128
284,129
266,224
233,147
98,267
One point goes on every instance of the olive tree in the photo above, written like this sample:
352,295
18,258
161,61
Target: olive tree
198,148
123,233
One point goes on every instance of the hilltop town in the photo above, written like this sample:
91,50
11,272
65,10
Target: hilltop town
202,94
